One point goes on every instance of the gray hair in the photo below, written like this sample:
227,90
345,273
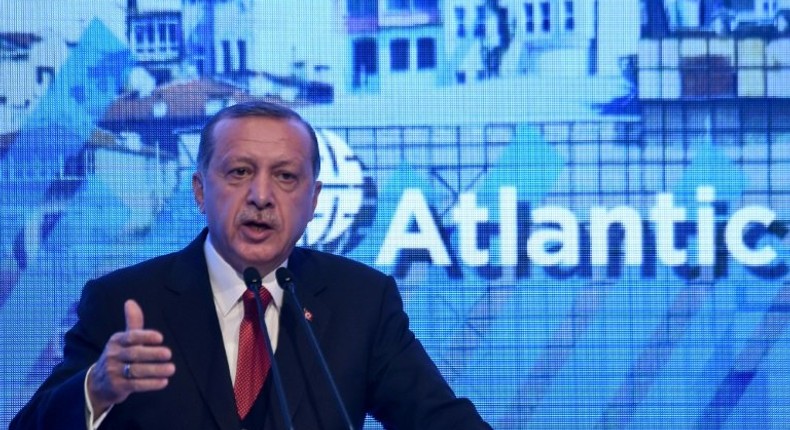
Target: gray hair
254,108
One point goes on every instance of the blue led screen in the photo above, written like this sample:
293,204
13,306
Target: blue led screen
584,202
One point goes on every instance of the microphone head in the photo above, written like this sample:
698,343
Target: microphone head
252,278
284,278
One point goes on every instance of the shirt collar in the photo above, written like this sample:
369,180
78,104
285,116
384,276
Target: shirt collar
227,285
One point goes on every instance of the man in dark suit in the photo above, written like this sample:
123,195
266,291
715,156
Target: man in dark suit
157,344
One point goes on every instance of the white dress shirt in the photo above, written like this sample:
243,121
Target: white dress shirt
227,287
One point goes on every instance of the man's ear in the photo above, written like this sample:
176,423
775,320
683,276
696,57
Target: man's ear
316,192
197,190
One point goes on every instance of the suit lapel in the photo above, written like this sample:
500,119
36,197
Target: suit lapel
191,316
298,363
199,341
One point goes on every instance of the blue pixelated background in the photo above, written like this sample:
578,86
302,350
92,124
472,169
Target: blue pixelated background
504,160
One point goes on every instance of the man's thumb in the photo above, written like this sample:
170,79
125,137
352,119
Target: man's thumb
133,314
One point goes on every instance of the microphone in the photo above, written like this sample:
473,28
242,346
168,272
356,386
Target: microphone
252,278
286,280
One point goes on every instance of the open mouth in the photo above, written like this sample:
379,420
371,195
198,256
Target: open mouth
258,226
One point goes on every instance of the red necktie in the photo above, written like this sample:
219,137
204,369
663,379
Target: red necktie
253,362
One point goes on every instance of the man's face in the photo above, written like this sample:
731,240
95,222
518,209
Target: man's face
258,192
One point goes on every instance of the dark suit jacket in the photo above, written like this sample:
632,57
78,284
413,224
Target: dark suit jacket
357,316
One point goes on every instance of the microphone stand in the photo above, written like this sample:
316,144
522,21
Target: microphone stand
252,278
285,279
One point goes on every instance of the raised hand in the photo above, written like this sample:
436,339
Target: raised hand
133,360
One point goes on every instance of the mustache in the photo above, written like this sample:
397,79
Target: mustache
260,217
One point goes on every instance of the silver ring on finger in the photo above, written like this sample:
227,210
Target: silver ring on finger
127,371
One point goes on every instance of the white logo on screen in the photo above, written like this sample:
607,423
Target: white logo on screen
342,195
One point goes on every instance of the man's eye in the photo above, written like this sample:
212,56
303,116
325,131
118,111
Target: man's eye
239,171
287,176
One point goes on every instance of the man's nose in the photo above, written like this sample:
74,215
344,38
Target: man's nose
260,192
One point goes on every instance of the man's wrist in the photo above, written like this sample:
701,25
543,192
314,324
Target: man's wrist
94,412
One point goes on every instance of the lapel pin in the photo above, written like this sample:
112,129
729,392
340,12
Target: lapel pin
308,315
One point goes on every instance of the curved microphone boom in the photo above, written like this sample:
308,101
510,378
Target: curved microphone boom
252,278
286,280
